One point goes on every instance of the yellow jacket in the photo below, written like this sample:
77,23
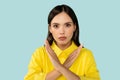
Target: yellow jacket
84,66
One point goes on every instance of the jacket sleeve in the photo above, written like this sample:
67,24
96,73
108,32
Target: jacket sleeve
91,71
35,71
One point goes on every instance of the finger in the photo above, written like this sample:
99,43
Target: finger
79,48
50,51
71,57
47,45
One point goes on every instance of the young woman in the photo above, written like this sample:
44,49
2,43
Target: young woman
62,57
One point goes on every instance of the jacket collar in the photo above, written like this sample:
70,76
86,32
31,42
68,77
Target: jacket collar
66,52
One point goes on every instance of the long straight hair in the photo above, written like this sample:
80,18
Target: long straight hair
55,11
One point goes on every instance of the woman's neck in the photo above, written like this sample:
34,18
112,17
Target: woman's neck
64,46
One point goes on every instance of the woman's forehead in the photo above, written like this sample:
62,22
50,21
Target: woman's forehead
61,18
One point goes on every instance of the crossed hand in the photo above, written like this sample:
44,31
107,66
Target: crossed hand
54,59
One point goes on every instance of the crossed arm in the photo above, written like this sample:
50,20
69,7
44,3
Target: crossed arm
61,69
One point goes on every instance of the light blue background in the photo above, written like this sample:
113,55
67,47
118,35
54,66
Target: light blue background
23,28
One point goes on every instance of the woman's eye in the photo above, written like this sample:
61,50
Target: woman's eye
68,25
55,26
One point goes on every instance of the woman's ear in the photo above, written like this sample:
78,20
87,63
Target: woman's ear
49,28
74,28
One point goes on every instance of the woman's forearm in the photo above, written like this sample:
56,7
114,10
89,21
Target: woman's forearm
53,75
62,70
68,74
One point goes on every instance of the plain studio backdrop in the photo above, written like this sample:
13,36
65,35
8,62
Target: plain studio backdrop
23,28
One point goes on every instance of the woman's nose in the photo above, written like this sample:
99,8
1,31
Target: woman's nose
62,30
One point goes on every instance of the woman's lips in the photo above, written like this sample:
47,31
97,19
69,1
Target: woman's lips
62,38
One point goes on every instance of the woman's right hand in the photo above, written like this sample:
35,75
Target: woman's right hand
52,55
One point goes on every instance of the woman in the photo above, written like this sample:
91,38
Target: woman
62,57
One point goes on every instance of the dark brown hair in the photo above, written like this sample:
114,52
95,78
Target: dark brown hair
58,9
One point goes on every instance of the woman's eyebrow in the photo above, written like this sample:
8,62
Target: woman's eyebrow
68,22
55,23
59,24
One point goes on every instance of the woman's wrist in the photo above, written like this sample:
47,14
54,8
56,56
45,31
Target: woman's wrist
53,75
67,73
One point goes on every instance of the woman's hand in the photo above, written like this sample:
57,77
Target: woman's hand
61,68
53,57
55,61
72,57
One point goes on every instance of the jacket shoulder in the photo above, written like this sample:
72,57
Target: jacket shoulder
86,51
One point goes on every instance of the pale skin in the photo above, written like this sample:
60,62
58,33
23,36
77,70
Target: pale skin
62,29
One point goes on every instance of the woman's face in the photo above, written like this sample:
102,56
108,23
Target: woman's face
62,28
